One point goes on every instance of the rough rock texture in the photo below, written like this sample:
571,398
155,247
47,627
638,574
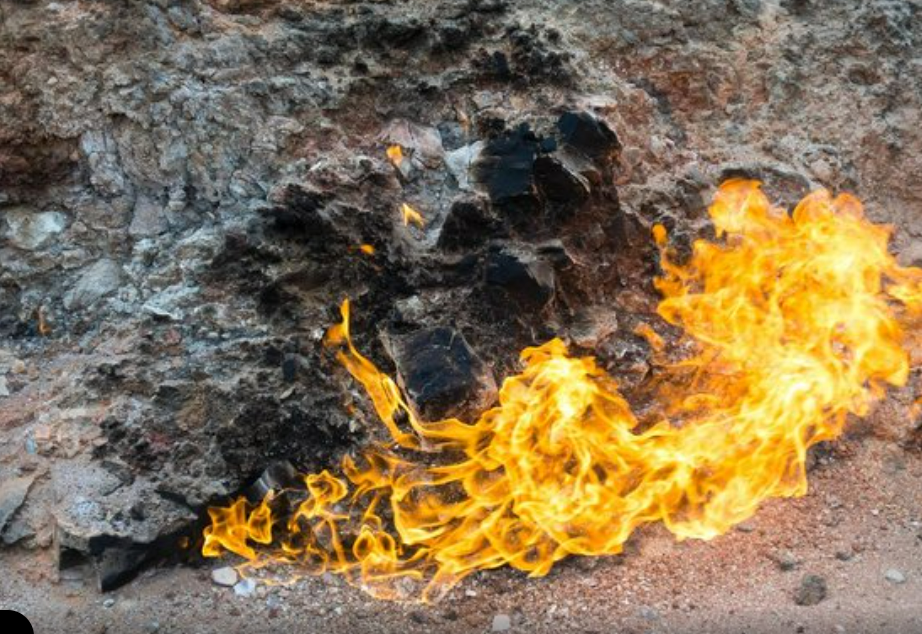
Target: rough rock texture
185,186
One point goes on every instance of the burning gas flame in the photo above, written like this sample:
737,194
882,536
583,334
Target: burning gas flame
797,321
395,154
410,215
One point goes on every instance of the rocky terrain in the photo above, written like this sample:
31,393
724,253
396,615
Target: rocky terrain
186,188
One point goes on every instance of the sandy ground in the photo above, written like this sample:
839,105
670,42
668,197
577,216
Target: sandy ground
861,519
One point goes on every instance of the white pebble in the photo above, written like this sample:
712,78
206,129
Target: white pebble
225,576
895,576
501,623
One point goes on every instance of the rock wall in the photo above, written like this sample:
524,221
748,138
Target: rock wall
185,187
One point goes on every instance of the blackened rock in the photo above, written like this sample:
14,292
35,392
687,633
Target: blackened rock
523,279
299,211
278,476
469,224
506,166
559,183
441,374
589,135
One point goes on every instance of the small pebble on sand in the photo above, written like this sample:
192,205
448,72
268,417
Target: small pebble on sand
501,623
225,576
895,576
811,591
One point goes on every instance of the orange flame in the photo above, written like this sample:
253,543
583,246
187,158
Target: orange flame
395,154
411,215
796,322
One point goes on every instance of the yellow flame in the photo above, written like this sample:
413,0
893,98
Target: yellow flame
796,322
411,215
395,154
367,249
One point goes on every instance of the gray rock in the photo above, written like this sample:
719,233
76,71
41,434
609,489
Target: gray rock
100,279
501,623
149,218
460,163
894,576
4,390
29,229
245,587
225,576
811,591
116,526
13,494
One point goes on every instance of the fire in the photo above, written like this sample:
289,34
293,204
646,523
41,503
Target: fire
796,321
395,154
410,215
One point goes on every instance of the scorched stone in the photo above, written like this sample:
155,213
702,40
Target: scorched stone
441,374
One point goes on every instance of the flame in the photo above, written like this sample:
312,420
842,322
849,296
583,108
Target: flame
395,155
411,215
367,249
796,322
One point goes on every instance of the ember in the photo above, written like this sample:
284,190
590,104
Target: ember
796,322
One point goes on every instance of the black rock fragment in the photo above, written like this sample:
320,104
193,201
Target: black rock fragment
589,135
441,374
559,183
522,282
469,224
506,166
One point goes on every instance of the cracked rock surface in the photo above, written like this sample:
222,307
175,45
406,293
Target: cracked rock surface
186,187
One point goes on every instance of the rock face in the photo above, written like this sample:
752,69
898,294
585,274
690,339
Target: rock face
189,188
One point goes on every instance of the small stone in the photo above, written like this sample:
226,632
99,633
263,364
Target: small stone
811,591
895,576
108,603
785,560
844,555
4,390
501,623
225,576
245,587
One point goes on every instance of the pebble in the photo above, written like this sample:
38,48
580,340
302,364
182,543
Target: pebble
895,576
108,603
785,560
501,623
811,591
225,576
245,587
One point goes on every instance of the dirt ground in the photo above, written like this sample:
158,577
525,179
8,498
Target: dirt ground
859,528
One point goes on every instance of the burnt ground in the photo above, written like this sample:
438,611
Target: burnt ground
184,186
